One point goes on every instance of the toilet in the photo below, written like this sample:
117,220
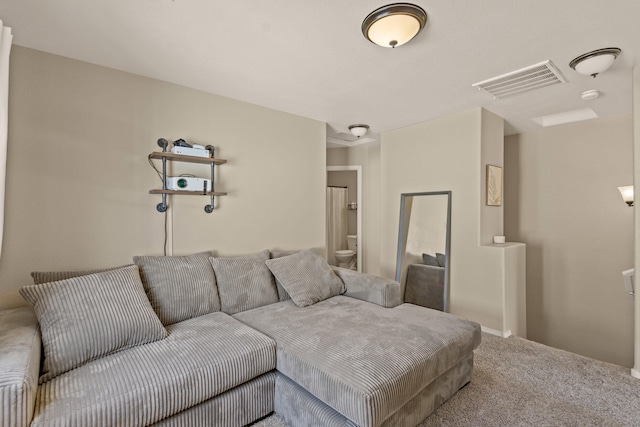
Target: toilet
347,257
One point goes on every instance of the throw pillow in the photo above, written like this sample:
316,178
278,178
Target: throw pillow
244,282
430,260
283,295
442,259
40,277
307,277
179,287
84,318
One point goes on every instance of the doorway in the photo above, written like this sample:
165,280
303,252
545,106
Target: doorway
350,177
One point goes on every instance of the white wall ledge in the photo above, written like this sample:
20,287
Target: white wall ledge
504,245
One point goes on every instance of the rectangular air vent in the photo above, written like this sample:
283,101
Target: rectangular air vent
521,81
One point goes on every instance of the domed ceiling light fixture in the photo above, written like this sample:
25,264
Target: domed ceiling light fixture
394,24
595,62
358,130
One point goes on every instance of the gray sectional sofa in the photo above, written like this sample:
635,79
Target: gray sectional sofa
226,341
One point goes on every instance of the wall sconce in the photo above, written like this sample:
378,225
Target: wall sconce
595,62
627,194
394,24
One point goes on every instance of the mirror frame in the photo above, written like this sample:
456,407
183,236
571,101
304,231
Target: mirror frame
401,242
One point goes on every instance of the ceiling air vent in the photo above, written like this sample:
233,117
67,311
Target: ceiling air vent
521,81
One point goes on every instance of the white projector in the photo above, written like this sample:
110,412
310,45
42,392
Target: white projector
188,183
186,151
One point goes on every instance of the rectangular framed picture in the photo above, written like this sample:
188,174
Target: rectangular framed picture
494,185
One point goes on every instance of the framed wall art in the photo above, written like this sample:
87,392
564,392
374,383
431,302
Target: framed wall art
494,185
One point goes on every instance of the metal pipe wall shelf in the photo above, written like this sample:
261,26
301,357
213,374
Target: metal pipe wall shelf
187,159
191,193
171,157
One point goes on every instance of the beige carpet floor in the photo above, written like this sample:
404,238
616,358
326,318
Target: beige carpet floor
517,382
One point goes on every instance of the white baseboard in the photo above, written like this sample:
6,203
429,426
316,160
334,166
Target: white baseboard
635,373
505,334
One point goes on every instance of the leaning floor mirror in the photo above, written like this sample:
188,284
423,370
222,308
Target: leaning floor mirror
424,240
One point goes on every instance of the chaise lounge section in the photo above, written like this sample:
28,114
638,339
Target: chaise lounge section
364,362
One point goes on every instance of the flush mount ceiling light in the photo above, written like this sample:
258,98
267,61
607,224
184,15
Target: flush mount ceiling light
595,62
394,24
358,130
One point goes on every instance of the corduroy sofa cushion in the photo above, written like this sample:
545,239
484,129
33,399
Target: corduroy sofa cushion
20,348
363,360
201,358
179,287
430,260
40,277
244,282
306,277
241,406
283,295
86,318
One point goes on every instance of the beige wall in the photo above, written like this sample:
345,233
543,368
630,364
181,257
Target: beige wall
337,156
440,155
78,178
561,200
491,153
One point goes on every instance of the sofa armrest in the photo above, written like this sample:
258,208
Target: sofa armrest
384,292
20,348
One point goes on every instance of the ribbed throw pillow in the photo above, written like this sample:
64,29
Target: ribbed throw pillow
307,277
85,318
430,260
53,276
244,282
283,295
179,287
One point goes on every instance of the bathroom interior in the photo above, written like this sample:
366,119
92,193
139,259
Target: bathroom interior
425,221
342,219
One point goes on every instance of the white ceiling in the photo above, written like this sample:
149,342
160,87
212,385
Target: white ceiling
309,57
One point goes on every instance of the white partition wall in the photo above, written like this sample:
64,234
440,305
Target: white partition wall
5,49
450,154
635,371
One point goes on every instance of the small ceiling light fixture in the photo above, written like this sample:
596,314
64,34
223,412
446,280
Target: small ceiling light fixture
358,130
595,62
627,194
394,24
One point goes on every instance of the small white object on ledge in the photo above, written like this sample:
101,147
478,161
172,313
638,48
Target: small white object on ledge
499,240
